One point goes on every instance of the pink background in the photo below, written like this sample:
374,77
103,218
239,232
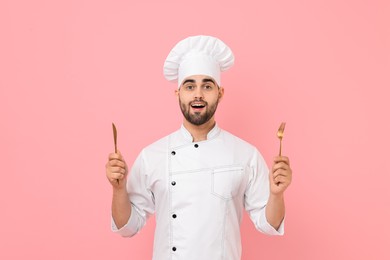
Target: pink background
70,68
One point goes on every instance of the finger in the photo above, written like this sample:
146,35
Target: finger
281,180
113,156
278,179
115,182
117,163
280,173
117,176
118,170
280,165
284,159
110,171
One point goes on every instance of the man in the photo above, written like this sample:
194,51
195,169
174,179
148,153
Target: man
199,179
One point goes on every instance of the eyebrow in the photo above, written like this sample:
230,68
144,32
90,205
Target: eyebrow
188,80
209,80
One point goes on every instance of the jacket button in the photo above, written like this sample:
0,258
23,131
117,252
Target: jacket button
174,216
173,183
173,248
173,152
196,145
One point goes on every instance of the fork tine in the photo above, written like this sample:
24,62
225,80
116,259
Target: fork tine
281,127
281,130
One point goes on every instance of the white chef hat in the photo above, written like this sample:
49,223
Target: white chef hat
198,55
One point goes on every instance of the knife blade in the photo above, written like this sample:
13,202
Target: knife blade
115,136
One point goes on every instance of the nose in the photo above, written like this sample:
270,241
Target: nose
198,93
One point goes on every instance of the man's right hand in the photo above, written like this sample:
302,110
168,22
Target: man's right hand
116,170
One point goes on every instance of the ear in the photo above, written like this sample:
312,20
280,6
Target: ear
221,92
177,92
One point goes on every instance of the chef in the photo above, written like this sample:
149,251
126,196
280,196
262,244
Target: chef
198,180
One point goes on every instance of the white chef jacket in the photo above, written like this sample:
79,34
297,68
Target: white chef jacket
198,191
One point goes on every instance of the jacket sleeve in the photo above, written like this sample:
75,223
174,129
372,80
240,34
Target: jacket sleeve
141,199
257,194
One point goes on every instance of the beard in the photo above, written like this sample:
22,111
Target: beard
197,118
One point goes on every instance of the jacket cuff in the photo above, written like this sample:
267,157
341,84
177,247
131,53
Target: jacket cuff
267,228
130,228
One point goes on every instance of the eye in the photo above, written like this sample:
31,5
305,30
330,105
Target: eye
189,87
208,87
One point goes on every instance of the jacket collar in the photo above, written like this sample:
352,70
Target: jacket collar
214,132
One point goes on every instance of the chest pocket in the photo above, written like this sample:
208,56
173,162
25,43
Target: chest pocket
226,181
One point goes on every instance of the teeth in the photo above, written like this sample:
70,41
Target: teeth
198,105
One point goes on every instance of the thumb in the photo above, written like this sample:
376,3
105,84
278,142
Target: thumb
120,154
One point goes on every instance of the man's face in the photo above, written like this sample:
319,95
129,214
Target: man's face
199,96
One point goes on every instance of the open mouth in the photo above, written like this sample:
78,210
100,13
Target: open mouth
198,105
